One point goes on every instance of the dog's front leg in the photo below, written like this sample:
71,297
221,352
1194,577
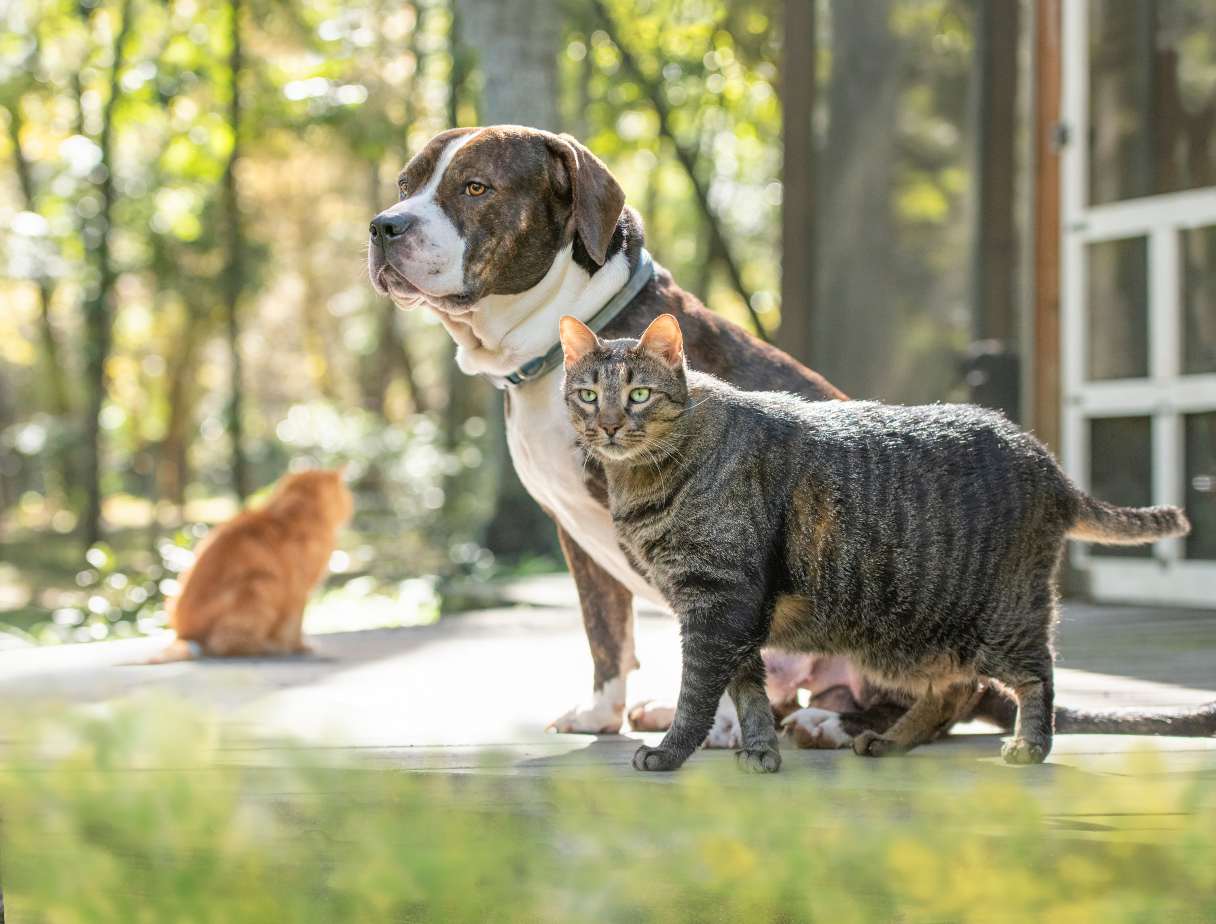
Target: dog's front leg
608,620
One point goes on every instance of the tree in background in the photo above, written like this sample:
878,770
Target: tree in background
682,98
515,45
98,290
234,271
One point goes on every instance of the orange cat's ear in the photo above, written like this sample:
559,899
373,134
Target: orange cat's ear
663,339
577,339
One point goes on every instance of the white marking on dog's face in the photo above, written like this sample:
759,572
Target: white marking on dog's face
432,254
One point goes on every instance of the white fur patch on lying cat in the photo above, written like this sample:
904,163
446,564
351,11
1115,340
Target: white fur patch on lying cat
816,728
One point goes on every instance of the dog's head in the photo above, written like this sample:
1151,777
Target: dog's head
484,211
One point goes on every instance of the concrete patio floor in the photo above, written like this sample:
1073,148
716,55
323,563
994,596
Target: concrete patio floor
446,697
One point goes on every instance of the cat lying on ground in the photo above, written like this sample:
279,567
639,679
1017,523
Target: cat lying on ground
246,591
923,542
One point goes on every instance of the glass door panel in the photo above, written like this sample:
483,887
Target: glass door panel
1121,470
1117,309
1201,485
1198,250
1152,83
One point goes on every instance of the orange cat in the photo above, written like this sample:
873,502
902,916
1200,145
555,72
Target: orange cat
246,591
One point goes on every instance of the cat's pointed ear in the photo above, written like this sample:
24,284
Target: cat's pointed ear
577,339
663,339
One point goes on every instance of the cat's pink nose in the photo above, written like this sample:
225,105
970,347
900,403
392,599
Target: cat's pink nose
610,430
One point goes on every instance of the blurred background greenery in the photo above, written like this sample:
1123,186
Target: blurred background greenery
184,195
160,823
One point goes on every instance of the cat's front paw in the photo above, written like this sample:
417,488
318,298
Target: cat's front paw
872,744
1024,751
658,759
759,760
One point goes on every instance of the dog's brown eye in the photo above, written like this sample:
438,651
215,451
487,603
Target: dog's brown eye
473,188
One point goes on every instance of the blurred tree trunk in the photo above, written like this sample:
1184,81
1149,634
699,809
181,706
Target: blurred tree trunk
234,274
97,308
173,471
465,397
516,42
853,329
392,357
798,90
53,371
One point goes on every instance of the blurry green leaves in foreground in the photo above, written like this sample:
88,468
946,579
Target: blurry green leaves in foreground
136,815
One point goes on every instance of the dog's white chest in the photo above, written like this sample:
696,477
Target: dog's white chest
542,447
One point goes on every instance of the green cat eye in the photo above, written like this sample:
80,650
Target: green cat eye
586,394
638,395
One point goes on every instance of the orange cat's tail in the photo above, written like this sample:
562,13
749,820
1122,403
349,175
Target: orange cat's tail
179,650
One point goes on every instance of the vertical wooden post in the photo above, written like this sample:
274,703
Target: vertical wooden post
1045,418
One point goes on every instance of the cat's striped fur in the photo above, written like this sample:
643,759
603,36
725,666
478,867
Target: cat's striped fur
923,542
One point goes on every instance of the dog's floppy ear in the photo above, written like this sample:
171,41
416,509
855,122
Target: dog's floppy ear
577,339
663,339
596,197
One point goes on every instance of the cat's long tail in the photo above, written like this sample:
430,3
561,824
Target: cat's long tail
1195,722
1098,521
1198,722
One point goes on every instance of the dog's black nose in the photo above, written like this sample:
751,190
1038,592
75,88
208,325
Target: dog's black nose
389,227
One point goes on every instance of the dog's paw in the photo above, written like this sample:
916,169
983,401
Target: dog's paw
657,759
651,715
759,760
816,728
1023,751
600,718
872,744
725,732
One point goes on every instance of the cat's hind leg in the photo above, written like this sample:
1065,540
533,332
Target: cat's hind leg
930,716
1035,726
759,753
1025,665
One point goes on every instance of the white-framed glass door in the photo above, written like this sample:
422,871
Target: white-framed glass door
1138,298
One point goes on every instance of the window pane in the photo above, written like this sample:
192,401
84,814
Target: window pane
1117,308
1199,300
1121,469
1150,93
1201,484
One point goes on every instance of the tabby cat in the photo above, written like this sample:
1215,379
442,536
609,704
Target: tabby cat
922,542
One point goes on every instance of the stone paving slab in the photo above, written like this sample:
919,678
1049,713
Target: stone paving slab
445,696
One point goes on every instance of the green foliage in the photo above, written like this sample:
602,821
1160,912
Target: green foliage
159,825
336,96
